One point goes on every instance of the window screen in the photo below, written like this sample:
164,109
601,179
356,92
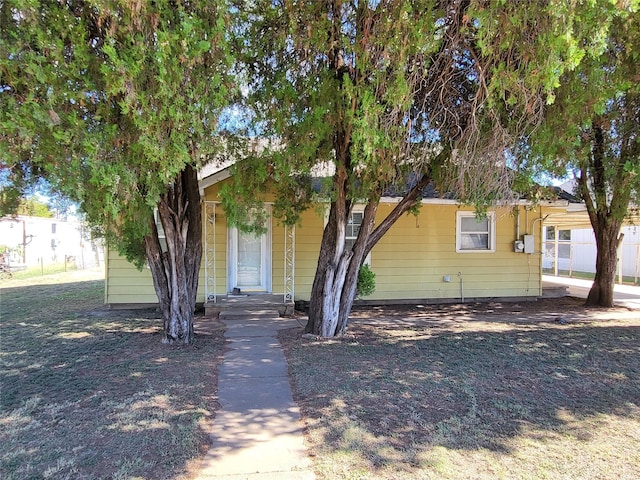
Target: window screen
475,234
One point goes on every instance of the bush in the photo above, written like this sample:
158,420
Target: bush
366,281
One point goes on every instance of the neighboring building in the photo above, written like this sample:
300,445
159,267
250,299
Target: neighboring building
32,241
443,254
570,245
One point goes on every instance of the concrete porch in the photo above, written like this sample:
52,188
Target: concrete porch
255,304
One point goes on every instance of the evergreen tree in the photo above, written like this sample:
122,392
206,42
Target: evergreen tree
116,102
593,129
390,95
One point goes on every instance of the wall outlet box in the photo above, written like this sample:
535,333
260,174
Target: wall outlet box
446,278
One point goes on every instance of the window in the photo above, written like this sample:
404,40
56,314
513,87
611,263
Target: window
475,234
353,228
564,242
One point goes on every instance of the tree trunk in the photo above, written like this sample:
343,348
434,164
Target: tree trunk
333,265
606,197
608,240
175,268
336,279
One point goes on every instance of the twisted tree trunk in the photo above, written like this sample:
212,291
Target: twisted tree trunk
175,268
336,279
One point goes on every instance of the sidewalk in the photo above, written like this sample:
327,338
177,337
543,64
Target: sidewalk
257,434
623,296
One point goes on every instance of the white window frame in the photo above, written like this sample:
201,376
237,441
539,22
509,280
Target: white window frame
161,235
367,259
491,247
355,209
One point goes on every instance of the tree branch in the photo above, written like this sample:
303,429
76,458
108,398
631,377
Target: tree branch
409,200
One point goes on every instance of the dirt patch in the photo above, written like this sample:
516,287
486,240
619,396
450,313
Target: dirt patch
92,393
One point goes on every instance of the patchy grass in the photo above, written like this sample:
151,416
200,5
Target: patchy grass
516,391
92,393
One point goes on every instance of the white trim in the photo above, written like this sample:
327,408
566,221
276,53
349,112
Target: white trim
289,263
210,273
491,216
213,179
159,226
448,201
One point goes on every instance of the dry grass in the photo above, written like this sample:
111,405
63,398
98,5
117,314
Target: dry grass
475,391
92,393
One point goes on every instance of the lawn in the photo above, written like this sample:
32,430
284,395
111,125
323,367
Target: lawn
92,393
533,390
516,391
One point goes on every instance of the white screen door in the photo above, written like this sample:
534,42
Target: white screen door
249,267
250,262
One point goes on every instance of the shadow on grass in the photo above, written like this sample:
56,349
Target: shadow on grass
472,388
92,393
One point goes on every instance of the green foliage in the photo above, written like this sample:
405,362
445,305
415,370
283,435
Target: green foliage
33,208
110,100
377,89
592,128
366,282
243,202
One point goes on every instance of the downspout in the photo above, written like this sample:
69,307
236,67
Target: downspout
461,288
106,273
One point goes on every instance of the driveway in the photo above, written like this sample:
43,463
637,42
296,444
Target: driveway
624,295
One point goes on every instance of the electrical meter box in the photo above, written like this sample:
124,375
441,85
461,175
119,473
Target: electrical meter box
529,245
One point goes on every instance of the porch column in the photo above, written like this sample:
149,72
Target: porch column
210,251
289,262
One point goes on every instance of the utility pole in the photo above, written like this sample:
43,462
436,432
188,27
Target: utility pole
26,240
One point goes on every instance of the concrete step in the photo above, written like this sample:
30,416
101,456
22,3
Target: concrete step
555,291
237,314
257,309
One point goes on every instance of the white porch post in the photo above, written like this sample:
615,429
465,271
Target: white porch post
289,262
210,251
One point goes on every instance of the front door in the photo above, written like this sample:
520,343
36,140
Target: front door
250,265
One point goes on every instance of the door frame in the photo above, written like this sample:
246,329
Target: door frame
266,263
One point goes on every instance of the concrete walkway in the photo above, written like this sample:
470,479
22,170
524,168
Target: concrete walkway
257,434
623,295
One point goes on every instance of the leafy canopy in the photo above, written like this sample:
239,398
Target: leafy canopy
593,127
380,89
109,100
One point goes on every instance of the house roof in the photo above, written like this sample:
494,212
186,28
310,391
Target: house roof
215,172
564,194
576,216
211,174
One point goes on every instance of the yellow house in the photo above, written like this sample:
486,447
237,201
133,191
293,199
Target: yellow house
443,254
